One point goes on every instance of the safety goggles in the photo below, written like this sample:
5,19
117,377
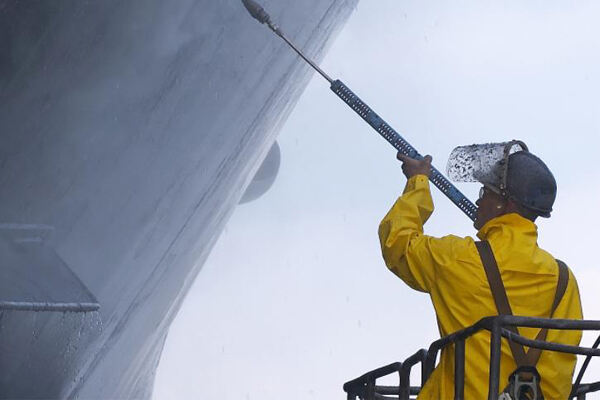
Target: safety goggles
485,188
481,192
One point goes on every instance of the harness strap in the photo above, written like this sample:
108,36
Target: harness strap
503,306
533,355
499,293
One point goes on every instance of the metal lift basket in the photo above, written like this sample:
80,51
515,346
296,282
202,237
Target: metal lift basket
366,388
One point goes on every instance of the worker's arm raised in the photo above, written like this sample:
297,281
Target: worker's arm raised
407,252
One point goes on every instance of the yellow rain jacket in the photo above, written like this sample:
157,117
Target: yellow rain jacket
450,270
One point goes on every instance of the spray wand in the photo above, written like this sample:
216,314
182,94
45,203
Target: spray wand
366,113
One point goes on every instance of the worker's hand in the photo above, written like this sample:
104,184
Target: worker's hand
412,167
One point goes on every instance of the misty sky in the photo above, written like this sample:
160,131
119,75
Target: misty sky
295,299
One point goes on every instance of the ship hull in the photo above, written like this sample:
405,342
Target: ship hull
133,128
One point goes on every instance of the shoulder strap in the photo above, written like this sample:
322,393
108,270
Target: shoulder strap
503,306
533,355
499,293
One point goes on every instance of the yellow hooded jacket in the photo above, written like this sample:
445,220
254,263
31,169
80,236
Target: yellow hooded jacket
450,270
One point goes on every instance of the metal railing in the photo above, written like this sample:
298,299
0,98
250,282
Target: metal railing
365,387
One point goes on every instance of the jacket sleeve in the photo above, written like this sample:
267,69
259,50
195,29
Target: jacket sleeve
407,252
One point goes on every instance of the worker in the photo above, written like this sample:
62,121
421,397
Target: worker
450,269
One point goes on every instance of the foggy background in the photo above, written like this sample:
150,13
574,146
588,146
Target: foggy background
295,298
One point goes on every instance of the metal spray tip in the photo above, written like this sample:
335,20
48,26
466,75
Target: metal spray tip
257,11
261,15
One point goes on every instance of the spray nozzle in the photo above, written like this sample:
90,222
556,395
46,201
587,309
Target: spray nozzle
257,11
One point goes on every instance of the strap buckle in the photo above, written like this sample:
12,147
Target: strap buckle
524,384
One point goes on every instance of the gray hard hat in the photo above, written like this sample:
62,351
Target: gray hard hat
530,183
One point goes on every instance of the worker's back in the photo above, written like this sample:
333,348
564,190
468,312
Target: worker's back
451,271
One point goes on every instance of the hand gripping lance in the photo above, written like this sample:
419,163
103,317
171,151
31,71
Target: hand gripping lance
366,113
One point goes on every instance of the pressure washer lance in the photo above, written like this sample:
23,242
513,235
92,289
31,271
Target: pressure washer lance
366,113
